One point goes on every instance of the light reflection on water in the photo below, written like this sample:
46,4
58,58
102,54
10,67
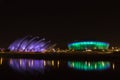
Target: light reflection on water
30,65
27,65
35,69
1,61
89,66
41,66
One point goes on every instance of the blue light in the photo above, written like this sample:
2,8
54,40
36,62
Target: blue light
30,44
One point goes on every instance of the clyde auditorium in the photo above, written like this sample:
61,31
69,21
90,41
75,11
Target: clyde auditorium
31,44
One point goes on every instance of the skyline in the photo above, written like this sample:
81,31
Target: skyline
60,24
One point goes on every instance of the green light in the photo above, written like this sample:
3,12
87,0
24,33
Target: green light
89,66
88,45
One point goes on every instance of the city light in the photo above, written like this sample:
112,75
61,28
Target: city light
84,45
30,44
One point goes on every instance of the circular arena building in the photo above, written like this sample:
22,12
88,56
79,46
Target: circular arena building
92,45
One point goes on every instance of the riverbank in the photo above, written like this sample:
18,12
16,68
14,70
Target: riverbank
64,56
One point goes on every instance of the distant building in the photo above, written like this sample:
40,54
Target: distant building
31,44
88,45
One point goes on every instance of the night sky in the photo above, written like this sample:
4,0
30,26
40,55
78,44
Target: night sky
61,22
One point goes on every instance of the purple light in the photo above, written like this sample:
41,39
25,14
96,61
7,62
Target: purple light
30,44
28,65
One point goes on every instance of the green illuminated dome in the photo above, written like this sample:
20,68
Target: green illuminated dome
93,45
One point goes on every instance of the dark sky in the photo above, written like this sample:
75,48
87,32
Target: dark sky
61,22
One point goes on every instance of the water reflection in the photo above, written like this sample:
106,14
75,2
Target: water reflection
44,66
1,61
31,65
30,69
89,66
113,66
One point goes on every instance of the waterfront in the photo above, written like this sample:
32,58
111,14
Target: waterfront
64,56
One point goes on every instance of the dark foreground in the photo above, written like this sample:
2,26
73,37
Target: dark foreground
41,69
54,66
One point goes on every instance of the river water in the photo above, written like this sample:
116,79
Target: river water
40,69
